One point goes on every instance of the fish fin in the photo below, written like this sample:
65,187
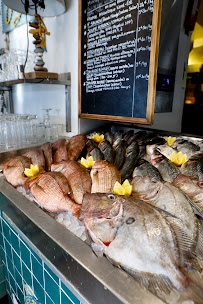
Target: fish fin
154,283
162,210
186,247
195,277
192,203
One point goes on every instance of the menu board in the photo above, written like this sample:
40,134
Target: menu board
118,59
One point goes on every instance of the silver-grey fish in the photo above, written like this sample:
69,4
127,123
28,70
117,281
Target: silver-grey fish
107,150
131,157
109,136
96,154
139,238
119,147
186,146
194,166
144,168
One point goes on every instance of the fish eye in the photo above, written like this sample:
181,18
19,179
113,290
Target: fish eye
154,181
111,196
130,220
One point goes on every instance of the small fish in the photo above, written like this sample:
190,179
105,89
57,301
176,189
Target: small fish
127,135
144,168
78,178
37,158
48,193
75,146
107,150
187,147
117,135
194,166
96,154
192,188
131,157
109,136
104,175
119,147
138,237
47,150
137,136
13,170
167,170
59,151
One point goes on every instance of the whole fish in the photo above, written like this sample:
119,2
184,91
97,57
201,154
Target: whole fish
169,198
109,136
131,157
104,175
194,166
75,146
59,151
167,170
47,150
48,193
119,147
138,237
191,187
187,147
78,178
37,158
144,168
107,150
13,170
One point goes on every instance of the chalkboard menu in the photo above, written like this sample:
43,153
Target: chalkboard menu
118,59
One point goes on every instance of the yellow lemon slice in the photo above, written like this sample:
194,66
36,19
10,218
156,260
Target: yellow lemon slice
32,171
98,138
127,187
178,158
87,163
118,189
170,140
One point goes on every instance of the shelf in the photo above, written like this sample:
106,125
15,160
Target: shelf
43,81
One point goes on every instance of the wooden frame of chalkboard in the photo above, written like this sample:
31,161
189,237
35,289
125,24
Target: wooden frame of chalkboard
117,81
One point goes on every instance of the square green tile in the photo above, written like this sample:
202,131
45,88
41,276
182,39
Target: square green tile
10,267
18,279
3,291
20,296
65,299
51,288
6,231
39,291
51,273
8,250
25,255
1,273
12,282
37,270
33,253
69,293
15,242
16,261
27,275
49,301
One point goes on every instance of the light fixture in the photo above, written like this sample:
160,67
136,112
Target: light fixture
45,8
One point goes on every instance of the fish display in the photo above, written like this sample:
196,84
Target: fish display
75,146
48,193
154,233
77,176
13,170
138,237
104,175
47,150
59,151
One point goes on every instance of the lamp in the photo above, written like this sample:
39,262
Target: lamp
45,8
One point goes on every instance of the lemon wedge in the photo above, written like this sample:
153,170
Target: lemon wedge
87,163
178,158
128,187
124,189
32,171
118,189
170,140
98,138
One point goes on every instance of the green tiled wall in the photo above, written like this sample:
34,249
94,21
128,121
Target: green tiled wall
22,265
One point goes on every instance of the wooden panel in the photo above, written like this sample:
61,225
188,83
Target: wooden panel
121,89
